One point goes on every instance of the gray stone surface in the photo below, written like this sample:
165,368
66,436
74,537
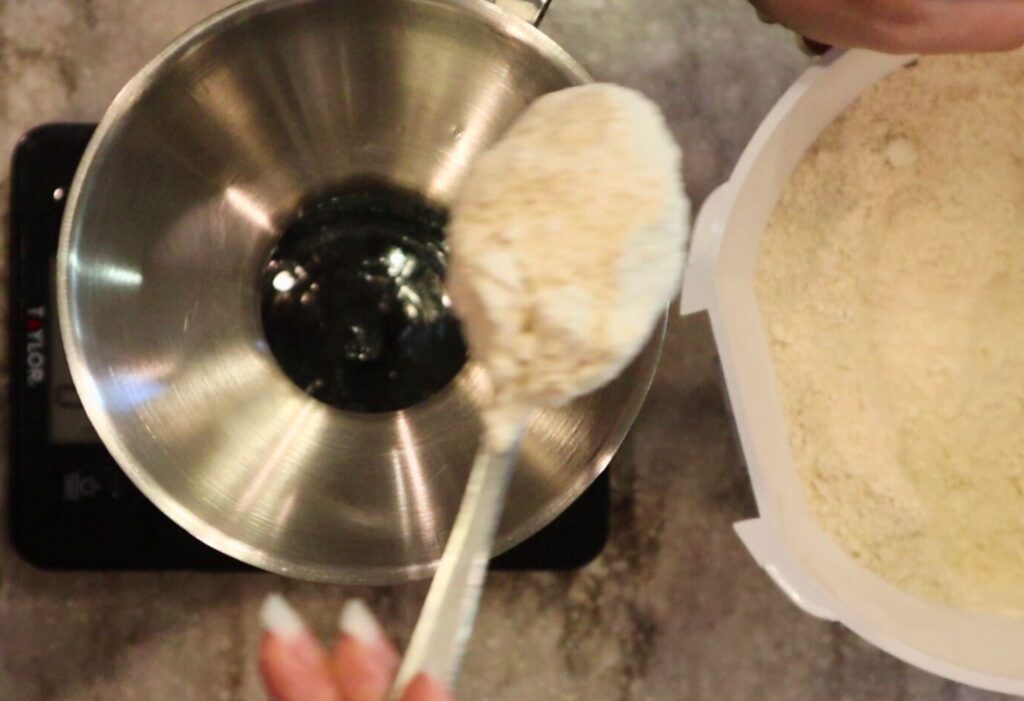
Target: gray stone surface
675,609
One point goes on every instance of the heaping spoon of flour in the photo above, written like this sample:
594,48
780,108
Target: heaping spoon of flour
566,246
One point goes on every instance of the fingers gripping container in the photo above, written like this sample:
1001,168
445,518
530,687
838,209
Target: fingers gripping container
982,650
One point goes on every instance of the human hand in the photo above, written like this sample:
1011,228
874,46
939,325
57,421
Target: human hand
904,26
361,667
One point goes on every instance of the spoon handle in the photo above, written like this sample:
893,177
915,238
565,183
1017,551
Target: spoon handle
446,621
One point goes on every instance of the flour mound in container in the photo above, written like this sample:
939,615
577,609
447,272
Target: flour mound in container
567,243
891,285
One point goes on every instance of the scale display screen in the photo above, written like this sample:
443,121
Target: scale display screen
68,422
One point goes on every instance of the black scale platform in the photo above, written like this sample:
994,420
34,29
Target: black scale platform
70,506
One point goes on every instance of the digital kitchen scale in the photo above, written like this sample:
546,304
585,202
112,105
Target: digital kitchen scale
70,506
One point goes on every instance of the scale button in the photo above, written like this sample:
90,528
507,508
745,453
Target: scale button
80,486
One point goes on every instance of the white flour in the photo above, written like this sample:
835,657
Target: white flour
567,243
891,282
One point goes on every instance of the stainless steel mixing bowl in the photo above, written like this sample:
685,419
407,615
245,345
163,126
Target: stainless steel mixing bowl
194,172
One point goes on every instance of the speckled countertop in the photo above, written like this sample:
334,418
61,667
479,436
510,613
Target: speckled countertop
674,609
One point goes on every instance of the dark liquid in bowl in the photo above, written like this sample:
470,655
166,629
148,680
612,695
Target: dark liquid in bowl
353,301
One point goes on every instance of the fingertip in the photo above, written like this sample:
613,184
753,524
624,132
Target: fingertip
291,662
363,672
278,617
267,656
424,688
358,621
292,674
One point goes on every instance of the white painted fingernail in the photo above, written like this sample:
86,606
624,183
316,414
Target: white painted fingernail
357,620
278,617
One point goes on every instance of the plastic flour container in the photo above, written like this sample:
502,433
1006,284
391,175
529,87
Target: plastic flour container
983,650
